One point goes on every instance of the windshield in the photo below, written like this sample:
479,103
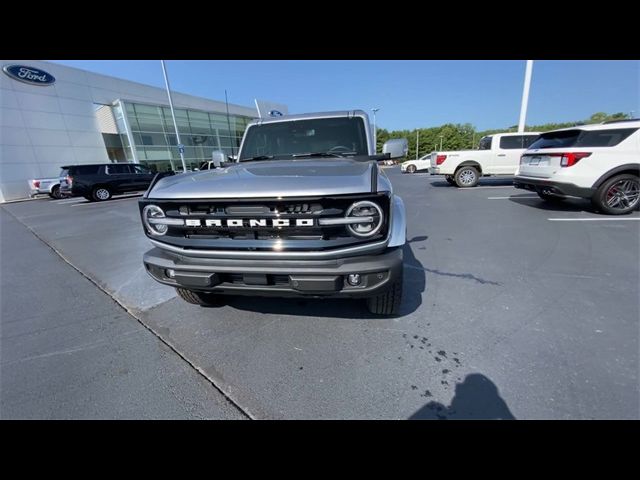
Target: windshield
339,135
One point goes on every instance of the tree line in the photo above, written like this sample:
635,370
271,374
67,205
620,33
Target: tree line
465,136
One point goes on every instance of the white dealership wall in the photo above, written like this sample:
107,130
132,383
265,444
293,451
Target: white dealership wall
44,127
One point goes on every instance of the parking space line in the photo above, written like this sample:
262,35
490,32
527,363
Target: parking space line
86,203
67,201
590,219
512,196
478,188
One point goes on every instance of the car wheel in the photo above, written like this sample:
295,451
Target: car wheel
551,198
100,194
196,298
450,180
411,169
55,193
618,195
387,303
467,177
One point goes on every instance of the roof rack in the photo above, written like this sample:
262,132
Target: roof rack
621,121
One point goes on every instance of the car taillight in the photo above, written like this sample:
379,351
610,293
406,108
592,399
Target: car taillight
440,159
569,159
69,180
36,184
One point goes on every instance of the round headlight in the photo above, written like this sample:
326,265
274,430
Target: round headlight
365,208
152,212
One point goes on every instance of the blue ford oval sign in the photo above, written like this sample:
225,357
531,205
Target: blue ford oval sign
275,113
33,76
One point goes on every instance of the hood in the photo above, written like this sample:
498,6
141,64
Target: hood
271,178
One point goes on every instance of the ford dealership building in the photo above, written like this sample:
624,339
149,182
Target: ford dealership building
52,115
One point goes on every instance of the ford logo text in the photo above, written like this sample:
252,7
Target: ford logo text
30,75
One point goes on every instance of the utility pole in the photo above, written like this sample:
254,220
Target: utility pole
417,142
525,96
173,115
375,131
231,134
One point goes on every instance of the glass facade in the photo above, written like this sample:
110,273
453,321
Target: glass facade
152,135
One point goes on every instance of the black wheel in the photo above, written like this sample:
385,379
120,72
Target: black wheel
196,298
467,177
387,303
551,198
618,195
100,194
450,180
55,193
411,169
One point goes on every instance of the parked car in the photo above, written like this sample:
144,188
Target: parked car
49,186
100,182
497,154
599,162
306,211
413,166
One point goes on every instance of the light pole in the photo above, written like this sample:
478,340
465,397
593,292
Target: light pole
525,96
375,132
441,142
417,142
173,115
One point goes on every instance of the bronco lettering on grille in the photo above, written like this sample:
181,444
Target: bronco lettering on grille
251,223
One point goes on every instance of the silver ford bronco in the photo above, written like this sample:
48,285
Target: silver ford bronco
304,211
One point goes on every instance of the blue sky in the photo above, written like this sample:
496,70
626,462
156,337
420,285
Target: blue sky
410,94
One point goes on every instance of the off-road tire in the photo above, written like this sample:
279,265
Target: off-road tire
467,177
196,298
387,303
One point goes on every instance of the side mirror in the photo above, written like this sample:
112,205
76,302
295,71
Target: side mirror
396,148
218,158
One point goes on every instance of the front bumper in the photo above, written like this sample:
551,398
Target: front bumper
552,187
280,277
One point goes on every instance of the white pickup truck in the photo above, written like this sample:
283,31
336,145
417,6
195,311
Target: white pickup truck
497,154
49,186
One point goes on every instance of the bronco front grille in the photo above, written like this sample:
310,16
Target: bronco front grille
265,224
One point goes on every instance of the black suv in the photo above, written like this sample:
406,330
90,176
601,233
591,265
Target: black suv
100,182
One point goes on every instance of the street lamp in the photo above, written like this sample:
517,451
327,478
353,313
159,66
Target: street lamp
441,142
375,132
175,125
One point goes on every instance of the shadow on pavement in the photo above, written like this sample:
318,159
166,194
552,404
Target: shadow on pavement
414,285
568,205
484,182
476,398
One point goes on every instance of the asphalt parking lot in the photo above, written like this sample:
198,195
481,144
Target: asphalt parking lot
513,308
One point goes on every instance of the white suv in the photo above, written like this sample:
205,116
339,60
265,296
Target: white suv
599,162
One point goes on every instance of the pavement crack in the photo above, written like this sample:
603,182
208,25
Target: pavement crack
467,276
135,315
